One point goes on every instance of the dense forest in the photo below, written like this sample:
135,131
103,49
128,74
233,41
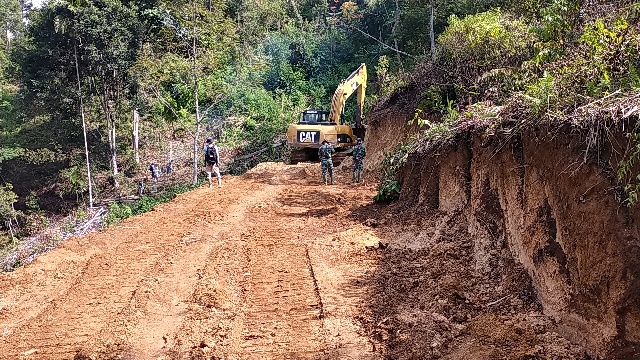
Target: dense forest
104,87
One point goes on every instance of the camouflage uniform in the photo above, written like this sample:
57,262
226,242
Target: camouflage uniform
326,164
359,152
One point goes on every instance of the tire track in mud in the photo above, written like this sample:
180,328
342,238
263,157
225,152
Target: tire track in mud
159,331
282,311
28,291
162,301
256,297
69,321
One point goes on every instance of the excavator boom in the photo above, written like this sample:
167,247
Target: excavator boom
357,81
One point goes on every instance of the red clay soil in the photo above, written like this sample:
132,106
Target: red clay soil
273,266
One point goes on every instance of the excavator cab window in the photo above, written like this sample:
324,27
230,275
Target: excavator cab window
314,117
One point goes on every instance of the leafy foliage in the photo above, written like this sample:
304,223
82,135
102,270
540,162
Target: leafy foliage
474,48
7,199
121,211
388,191
389,186
74,181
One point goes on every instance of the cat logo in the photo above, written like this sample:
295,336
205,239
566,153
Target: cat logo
312,137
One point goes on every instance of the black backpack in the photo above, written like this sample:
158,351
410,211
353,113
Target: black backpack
211,156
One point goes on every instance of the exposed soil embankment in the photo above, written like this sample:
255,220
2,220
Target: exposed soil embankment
534,197
543,199
389,125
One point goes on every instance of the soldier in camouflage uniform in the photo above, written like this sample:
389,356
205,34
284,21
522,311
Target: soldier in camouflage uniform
359,152
324,153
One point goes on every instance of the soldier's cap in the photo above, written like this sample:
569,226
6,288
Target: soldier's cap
325,141
209,140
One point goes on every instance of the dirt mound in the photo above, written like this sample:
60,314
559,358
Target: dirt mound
427,300
277,172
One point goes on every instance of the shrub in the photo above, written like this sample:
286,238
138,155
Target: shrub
542,94
558,20
7,198
117,213
486,40
31,203
73,181
389,187
388,191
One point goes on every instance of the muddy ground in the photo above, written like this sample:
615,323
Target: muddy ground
275,266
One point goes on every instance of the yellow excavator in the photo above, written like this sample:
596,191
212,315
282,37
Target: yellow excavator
314,126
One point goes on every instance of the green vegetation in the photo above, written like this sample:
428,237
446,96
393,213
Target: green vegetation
538,63
390,186
241,71
121,211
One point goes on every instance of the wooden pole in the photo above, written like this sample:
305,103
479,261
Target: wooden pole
84,128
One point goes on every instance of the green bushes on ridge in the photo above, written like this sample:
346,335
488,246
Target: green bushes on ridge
121,211
481,52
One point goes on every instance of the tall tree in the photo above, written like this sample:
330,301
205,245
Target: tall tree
10,21
106,36
195,44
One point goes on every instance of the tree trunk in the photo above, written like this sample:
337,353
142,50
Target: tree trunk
432,34
196,134
13,238
135,139
112,146
84,129
111,128
297,13
195,157
8,37
394,33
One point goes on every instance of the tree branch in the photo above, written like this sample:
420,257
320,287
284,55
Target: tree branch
215,102
166,103
378,41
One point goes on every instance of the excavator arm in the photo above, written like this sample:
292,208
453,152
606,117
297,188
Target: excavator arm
357,81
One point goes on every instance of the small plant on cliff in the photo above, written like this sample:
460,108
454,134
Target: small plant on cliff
389,187
444,129
626,176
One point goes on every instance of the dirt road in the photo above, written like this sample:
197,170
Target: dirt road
217,272
275,266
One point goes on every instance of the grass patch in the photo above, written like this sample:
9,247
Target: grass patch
121,211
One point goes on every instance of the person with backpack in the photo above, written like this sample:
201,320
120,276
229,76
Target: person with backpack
154,172
211,161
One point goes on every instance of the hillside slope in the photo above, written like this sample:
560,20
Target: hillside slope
544,198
